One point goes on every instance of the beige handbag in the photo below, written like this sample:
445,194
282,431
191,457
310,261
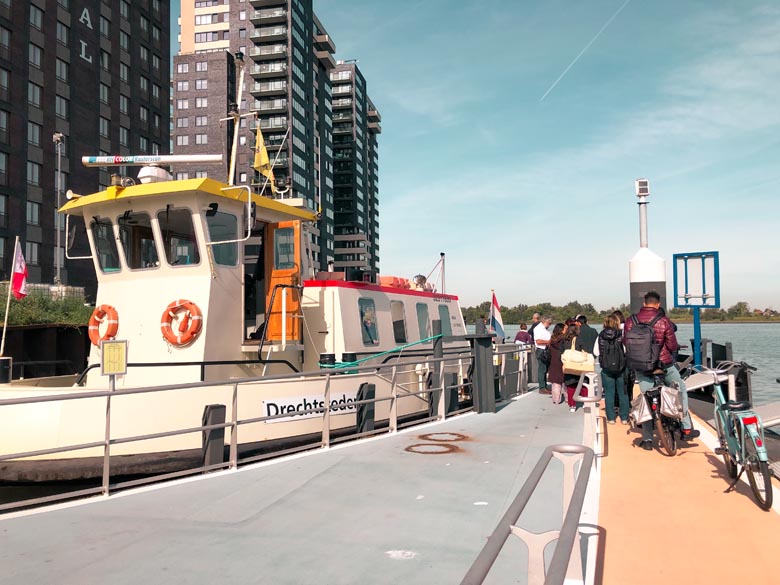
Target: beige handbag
577,362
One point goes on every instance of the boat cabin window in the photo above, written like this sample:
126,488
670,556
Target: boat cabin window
423,321
135,233
446,325
105,244
284,249
368,322
399,321
178,234
223,227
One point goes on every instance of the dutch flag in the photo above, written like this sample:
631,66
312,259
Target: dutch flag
496,323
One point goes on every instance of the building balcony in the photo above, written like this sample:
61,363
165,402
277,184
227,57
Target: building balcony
263,89
267,3
268,16
374,116
351,264
266,53
324,43
273,125
277,106
343,251
350,238
342,118
269,34
342,128
267,70
340,103
326,58
375,127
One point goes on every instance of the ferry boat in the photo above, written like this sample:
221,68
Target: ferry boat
207,282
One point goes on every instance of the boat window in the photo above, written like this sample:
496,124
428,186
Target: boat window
135,233
284,249
423,321
399,321
368,321
178,234
446,325
105,244
223,227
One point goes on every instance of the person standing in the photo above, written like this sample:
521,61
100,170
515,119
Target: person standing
523,337
586,340
555,371
534,323
542,340
664,336
612,359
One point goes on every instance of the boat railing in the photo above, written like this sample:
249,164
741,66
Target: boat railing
564,566
451,384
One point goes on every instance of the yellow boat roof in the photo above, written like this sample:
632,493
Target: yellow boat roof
273,209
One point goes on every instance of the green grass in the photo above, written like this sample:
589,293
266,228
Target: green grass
41,310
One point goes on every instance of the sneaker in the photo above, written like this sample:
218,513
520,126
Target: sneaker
624,421
612,422
690,434
647,445
572,408
545,391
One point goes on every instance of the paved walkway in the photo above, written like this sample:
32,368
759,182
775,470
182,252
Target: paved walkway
372,512
667,520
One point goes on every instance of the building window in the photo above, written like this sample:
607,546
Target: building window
182,140
201,84
103,93
143,83
182,68
63,33
62,70
143,143
124,40
182,104
62,107
33,173
201,139
182,122
156,92
3,175
124,104
201,120
144,54
201,102
124,72
124,136
34,133
35,54
31,252
124,9
34,92
144,24
33,213
105,27
156,119
105,60
155,61
156,33
182,86
104,126
182,176
144,114
36,17
202,66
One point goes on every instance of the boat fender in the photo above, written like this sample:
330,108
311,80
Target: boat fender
190,323
103,314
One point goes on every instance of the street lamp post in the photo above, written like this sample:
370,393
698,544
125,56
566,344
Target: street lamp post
58,139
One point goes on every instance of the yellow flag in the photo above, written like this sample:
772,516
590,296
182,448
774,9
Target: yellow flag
262,163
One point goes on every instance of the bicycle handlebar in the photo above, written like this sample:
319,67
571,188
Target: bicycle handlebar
724,367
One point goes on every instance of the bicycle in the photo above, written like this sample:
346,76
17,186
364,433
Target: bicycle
741,437
667,427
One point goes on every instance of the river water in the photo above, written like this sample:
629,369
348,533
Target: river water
756,343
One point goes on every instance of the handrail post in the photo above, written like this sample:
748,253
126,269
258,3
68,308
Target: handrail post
234,429
393,402
436,377
107,445
483,392
284,317
326,414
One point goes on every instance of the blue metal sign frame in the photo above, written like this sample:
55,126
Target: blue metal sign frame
707,299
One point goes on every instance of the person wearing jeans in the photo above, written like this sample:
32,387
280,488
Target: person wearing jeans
542,340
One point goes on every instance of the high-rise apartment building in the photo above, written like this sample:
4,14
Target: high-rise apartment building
76,78
287,61
356,124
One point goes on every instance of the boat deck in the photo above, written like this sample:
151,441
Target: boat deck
415,507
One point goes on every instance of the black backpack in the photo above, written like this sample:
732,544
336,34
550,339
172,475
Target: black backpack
613,358
642,350
531,330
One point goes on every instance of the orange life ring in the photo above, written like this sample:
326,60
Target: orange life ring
103,314
189,325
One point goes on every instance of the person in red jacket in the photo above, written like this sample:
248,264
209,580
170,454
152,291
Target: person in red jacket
665,337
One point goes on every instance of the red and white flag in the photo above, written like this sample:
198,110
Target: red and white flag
19,276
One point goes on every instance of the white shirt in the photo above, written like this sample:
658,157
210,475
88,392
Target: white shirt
541,334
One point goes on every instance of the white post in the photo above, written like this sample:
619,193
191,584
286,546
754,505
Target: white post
236,118
284,317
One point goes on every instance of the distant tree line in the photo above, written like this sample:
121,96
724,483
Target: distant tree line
741,311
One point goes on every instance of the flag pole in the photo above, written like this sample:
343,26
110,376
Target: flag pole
8,302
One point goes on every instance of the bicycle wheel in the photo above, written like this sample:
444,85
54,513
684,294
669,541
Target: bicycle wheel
759,477
731,465
666,438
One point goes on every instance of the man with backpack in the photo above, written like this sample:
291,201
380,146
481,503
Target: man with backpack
650,344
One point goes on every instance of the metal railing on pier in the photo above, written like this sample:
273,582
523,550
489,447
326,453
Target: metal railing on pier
446,384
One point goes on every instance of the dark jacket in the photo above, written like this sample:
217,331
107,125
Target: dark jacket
586,338
608,335
555,369
664,333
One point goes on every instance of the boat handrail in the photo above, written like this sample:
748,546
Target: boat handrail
556,574
380,354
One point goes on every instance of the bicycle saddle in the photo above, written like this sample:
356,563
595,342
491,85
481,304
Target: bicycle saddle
735,405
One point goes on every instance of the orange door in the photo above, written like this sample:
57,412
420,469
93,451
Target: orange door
283,267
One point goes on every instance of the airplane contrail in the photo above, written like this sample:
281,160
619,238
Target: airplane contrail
585,48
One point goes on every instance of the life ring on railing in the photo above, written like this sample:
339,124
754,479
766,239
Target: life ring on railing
190,323
103,314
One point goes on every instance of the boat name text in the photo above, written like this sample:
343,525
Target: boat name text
340,404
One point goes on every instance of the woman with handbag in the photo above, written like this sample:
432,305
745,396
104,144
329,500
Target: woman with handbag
574,362
555,370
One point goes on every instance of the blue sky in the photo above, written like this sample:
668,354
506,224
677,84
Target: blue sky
513,132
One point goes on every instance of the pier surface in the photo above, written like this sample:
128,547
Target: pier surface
409,508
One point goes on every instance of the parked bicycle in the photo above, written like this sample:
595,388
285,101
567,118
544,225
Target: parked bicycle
663,411
741,436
